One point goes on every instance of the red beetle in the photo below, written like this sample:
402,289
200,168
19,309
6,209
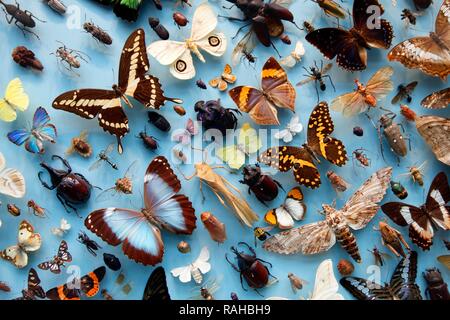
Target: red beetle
252,269
263,186
180,19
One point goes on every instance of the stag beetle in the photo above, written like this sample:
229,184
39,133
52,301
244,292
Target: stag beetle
251,268
213,116
24,17
71,188
436,287
263,186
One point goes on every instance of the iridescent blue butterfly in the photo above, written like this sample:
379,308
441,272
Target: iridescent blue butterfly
41,131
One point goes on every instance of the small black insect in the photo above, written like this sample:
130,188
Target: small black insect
111,261
358,131
318,75
213,115
248,56
404,92
23,19
201,84
159,121
409,15
98,33
160,30
149,141
91,245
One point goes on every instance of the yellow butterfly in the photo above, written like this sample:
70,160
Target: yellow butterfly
248,143
15,99
221,82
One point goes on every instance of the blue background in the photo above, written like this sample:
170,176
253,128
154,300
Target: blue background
44,87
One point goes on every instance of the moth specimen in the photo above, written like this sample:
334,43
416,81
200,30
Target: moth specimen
12,182
215,227
437,100
63,228
436,133
320,236
195,270
59,260
294,57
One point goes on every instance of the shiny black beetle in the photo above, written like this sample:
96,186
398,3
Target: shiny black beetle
263,186
71,188
213,116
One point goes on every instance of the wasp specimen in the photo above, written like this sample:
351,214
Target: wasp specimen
98,33
80,145
361,157
123,186
261,234
103,157
90,244
416,173
23,19
378,256
26,58
36,209
404,92
70,58
318,75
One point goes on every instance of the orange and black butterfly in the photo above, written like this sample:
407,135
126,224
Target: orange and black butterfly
106,105
222,81
276,91
88,285
319,142
34,290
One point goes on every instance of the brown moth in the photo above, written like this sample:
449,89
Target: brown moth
320,236
436,133
215,227
437,100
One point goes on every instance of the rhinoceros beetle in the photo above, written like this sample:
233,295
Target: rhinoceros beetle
213,116
71,188
263,186
251,268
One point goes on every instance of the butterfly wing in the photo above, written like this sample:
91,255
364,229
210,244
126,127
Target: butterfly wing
349,104
234,157
19,136
34,284
27,239
15,255
15,98
167,51
201,262
326,286
294,203
204,21
182,273
436,133
363,289
156,288
285,134
445,260
90,283
380,84
63,292
279,217
438,197
12,182
63,252
437,100
183,67
248,139
403,281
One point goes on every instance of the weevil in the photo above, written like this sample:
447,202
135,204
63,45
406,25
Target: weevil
23,18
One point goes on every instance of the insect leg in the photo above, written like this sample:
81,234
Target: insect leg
30,14
6,16
392,250
44,184
331,80
201,191
317,91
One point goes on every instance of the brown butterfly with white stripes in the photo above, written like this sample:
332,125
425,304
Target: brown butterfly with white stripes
133,81
430,54
421,220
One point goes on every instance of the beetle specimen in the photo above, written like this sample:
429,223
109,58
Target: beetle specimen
23,19
408,113
98,33
263,186
358,131
13,209
80,145
26,58
103,157
361,157
345,267
159,29
71,188
69,58
149,141
215,227
399,190
251,268
179,110
296,282
416,173
392,239
123,186
179,19
57,6
234,296
317,75
261,234
404,92
337,182
436,287
111,261
201,84
184,247
36,209
378,255
331,8
213,115
90,244
159,121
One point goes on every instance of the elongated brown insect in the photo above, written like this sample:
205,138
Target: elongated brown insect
361,157
13,209
37,210
392,239
337,182
331,8
106,295
215,227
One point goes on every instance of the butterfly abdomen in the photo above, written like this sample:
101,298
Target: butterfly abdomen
197,275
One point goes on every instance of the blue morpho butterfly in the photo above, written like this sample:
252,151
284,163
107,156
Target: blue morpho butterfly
41,131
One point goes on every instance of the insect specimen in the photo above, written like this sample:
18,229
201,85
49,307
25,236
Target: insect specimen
80,145
185,135
294,126
36,209
337,182
179,110
261,234
436,289
410,52
422,4
4,287
128,10
285,38
13,209
215,227
244,49
90,244
184,247
195,270
15,99
416,173
111,261
294,57
436,133
437,100
26,58
180,19
179,54
276,91
234,296
378,255
156,288
318,75
319,142
106,104
104,157
122,186
409,16
63,228
57,6
105,293
88,285
27,241
12,182
159,121
201,84
179,154
159,29
421,220
59,260
345,267
350,46
399,190
365,97
292,209
262,185
320,236
213,115
251,268
70,58
248,143
98,33
23,19
408,113
33,290
361,157
393,239
207,291
71,188
404,92
164,208
296,282
331,8
358,131
445,260
222,81
308,26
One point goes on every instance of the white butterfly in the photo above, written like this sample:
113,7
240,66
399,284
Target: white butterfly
178,54
12,182
195,269
294,57
294,126
62,229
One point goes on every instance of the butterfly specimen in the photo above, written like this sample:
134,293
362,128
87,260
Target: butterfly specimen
401,287
185,136
294,57
292,209
350,46
12,182
41,131
365,97
34,290
226,77
106,104
58,261
320,236
319,142
404,92
63,228
437,100
156,288
248,143
15,99
195,270
276,91
88,285
139,231
179,54
294,126
436,133
27,241
430,54
422,219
